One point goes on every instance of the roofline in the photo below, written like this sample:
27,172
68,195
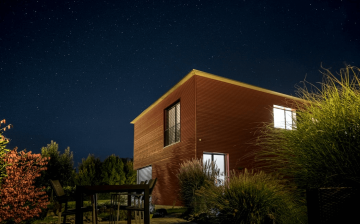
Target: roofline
214,77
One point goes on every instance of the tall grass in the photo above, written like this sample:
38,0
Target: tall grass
251,197
193,175
247,197
324,149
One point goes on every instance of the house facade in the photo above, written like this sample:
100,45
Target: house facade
203,116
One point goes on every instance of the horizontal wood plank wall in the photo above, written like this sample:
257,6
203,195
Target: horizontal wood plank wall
149,143
227,118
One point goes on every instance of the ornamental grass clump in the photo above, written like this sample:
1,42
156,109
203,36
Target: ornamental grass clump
252,197
324,148
193,175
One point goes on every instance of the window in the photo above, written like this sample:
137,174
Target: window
284,117
172,124
220,161
144,173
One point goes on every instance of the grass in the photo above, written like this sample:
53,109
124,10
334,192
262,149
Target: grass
72,204
176,210
48,219
249,197
104,215
52,218
323,150
193,175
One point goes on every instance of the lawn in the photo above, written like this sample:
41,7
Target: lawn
104,213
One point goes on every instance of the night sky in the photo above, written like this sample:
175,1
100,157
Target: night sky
78,72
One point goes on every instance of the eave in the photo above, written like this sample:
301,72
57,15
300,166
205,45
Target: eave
214,77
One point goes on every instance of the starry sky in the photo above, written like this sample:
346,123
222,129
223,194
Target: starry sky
78,72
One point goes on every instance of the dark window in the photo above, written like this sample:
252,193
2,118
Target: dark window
172,124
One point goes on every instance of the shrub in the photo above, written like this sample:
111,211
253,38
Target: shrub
3,150
324,149
19,199
193,175
250,197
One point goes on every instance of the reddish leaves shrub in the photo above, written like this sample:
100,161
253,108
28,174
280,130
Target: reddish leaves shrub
19,198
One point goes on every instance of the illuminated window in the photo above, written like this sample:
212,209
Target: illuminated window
284,117
172,124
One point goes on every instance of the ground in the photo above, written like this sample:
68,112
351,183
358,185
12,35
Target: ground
170,218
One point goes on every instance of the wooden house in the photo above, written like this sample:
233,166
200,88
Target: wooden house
203,116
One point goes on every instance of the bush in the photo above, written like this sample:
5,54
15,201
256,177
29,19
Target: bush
193,175
250,197
20,200
323,151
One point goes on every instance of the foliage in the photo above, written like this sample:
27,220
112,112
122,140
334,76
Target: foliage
193,175
19,198
89,171
130,173
3,150
250,197
324,148
60,166
112,171
68,190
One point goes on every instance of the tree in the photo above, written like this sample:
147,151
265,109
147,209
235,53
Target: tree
60,166
323,150
3,150
19,198
130,173
112,171
89,171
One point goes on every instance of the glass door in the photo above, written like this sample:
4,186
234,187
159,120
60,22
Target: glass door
219,160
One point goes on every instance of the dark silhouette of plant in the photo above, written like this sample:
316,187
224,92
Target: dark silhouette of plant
60,166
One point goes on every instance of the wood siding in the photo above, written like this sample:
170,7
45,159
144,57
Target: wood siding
149,143
223,115
227,118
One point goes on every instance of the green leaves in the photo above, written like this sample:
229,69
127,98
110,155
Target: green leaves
3,150
89,171
130,173
112,171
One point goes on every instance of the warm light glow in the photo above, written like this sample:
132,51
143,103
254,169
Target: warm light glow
284,117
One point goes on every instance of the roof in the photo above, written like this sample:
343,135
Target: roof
214,77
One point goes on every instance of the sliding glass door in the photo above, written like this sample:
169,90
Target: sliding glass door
219,160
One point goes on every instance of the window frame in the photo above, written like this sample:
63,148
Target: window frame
177,134
226,162
143,168
286,124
